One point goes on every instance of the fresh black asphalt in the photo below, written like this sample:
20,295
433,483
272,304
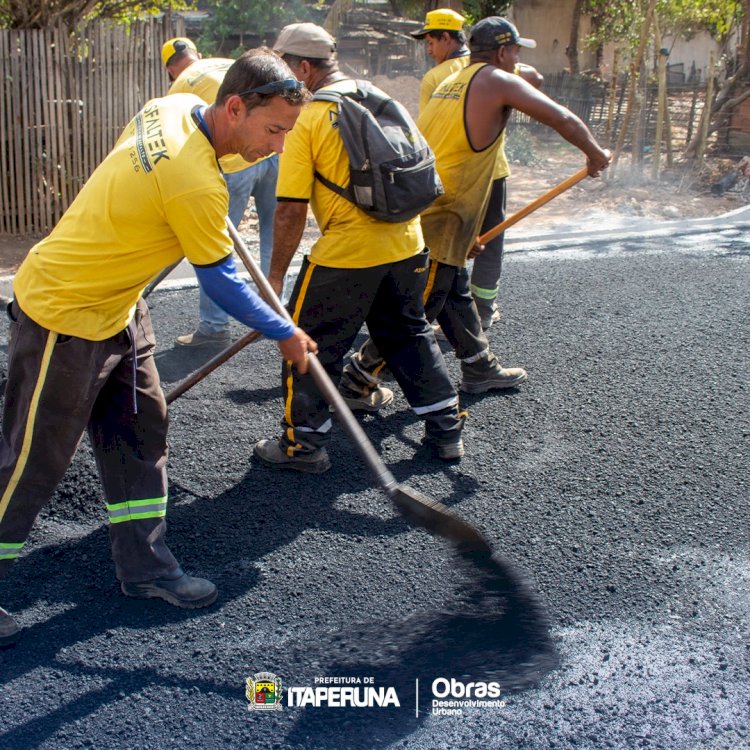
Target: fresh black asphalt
615,481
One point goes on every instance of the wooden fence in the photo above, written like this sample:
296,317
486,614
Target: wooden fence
66,96
589,99
64,99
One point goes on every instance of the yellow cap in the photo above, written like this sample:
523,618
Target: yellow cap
173,46
442,19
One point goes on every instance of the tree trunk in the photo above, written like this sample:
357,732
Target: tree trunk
639,126
572,48
635,67
612,97
336,13
706,118
661,101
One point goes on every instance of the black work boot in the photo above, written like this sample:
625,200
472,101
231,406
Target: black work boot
443,433
10,630
270,453
178,588
486,374
447,450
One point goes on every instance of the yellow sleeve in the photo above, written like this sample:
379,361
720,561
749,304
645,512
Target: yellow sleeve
199,221
297,162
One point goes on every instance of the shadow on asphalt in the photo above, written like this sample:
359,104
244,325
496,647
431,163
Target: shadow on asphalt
493,629
180,361
490,629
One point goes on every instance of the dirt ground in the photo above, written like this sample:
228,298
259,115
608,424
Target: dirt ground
677,195
681,194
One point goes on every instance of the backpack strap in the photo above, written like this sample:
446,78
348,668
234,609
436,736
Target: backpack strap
331,95
335,98
331,185
327,96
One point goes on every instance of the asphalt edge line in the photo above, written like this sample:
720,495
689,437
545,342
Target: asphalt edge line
723,222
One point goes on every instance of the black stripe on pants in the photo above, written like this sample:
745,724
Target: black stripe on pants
485,275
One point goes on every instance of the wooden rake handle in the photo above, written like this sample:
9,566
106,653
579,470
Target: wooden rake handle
540,201
195,377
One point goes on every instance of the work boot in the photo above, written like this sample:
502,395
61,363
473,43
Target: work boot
272,454
10,630
178,588
204,339
442,433
488,375
488,315
450,450
373,401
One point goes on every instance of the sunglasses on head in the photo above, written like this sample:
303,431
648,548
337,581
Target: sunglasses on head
275,87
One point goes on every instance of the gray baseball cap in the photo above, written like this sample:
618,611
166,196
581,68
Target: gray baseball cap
305,40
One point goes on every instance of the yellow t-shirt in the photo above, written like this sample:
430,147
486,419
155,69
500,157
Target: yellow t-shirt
203,78
452,222
433,77
156,197
436,75
350,238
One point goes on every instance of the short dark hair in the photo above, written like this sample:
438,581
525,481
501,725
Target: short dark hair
182,54
459,36
255,68
319,63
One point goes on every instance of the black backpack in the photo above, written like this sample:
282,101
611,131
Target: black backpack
392,169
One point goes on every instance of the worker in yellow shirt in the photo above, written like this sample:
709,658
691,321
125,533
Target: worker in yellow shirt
191,73
360,270
463,123
81,351
446,45
444,35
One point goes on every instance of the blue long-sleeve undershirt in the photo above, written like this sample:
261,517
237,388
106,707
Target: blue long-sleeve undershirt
221,283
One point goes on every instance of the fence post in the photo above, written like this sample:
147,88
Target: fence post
706,116
662,95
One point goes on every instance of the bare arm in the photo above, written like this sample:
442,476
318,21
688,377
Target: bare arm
288,225
530,74
493,90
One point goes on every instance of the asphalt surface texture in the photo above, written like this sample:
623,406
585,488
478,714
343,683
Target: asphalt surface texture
613,487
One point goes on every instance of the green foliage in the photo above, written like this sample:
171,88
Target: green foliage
520,146
615,21
687,17
40,14
235,18
621,20
476,10
130,10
